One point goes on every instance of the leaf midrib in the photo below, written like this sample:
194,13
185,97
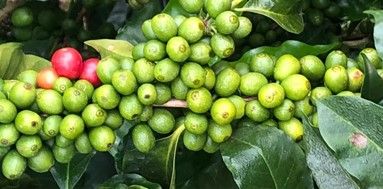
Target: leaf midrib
264,159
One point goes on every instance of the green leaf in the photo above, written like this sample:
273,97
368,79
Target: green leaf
120,134
11,56
110,47
174,8
264,157
99,170
378,29
372,82
159,164
352,128
286,13
353,9
128,180
216,175
33,62
43,48
67,175
326,170
132,30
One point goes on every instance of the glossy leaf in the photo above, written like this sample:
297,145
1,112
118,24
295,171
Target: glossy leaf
173,7
264,157
120,134
372,83
67,175
325,168
116,48
132,30
99,170
11,55
378,29
216,175
43,48
352,128
33,62
159,164
353,9
128,180
286,13
118,14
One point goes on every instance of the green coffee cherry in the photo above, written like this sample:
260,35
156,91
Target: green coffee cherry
93,115
178,49
147,113
239,104
372,55
154,50
61,84
143,138
256,112
355,79
296,86
105,69
292,128
138,51
50,102
214,7
84,86
147,30
201,53
312,67
162,121
199,100
263,63
143,70
130,107
166,70
8,111
226,22
179,89
13,165
102,138
285,66
74,100
192,6
192,29
285,111
63,154
8,135
61,141
336,57
194,142
303,108
336,79
29,145
82,144
28,122
71,126
244,28
319,93
251,83
222,45
193,75
223,111
219,133
42,161
22,95
106,97
227,83
124,82
196,123
271,95
164,26
164,93
147,94
210,146
114,119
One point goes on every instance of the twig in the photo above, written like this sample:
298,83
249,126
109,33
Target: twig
357,43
